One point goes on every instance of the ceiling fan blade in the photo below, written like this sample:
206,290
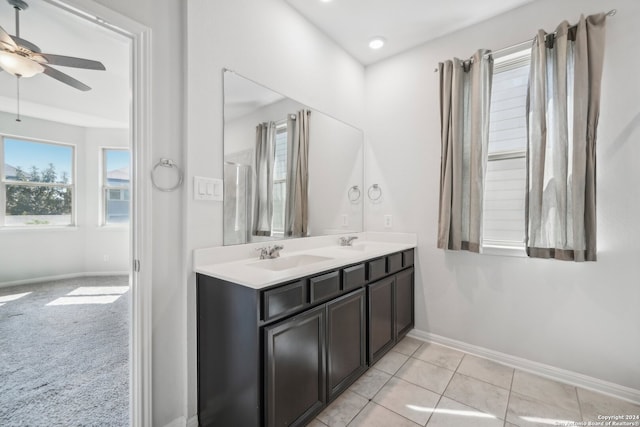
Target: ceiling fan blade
6,39
70,61
65,78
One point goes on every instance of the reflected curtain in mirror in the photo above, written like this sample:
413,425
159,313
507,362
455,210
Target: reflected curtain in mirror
264,159
297,205
563,108
465,97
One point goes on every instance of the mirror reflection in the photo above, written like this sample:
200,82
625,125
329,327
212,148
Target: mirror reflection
289,171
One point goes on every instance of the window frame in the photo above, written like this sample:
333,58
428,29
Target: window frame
4,183
506,60
105,188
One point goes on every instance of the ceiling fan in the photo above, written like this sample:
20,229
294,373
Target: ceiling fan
22,58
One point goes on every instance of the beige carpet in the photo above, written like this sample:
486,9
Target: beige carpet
64,353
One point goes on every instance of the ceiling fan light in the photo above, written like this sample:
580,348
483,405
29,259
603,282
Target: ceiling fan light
19,65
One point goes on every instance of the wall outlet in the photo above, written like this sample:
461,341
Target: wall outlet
388,221
345,220
105,258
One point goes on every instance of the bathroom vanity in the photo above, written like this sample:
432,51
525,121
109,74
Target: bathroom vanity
275,351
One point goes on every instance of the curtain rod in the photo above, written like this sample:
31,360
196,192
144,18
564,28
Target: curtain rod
612,12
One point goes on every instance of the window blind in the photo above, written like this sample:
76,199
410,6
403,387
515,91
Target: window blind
505,181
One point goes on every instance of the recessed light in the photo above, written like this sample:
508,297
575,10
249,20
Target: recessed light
326,1
376,42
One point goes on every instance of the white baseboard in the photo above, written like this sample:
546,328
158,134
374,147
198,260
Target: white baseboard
178,422
183,422
548,371
62,277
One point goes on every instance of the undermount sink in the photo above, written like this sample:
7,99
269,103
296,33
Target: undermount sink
285,263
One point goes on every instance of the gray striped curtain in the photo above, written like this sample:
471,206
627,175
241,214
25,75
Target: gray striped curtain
297,204
562,120
263,196
465,98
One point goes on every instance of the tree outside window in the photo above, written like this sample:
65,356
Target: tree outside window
37,183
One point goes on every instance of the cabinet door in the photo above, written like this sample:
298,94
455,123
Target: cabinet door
295,375
381,318
346,356
404,303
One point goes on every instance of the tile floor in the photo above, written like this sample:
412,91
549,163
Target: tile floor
424,384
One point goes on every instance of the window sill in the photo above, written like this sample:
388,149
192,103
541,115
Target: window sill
504,250
37,228
113,227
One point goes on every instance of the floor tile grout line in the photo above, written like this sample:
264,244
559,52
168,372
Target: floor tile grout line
480,379
579,404
372,397
473,407
443,391
541,401
513,375
408,382
483,381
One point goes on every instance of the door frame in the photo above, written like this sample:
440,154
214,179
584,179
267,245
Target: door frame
140,235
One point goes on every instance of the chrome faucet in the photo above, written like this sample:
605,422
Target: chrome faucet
270,252
347,241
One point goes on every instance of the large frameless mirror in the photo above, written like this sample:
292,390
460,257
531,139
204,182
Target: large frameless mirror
289,171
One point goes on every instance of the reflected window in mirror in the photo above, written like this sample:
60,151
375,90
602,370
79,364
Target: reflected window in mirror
279,180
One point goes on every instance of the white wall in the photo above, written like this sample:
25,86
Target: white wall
335,165
168,265
265,41
29,254
581,317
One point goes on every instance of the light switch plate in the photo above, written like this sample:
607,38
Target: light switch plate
207,188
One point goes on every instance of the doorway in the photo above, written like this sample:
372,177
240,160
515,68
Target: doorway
104,215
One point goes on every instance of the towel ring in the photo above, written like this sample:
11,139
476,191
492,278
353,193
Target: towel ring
354,194
375,192
166,163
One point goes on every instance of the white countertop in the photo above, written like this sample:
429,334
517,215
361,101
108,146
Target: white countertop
240,263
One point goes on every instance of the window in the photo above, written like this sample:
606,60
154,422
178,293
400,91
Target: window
37,183
115,186
505,181
279,180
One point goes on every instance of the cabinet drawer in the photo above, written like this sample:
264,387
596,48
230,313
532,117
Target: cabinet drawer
407,258
284,300
394,262
353,277
325,286
376,269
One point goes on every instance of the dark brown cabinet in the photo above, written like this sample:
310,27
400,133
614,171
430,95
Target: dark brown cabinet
277,356
381,325
391,312
346,342
404,303
295,375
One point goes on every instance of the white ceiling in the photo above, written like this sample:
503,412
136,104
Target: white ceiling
59,32
351,23
403,23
